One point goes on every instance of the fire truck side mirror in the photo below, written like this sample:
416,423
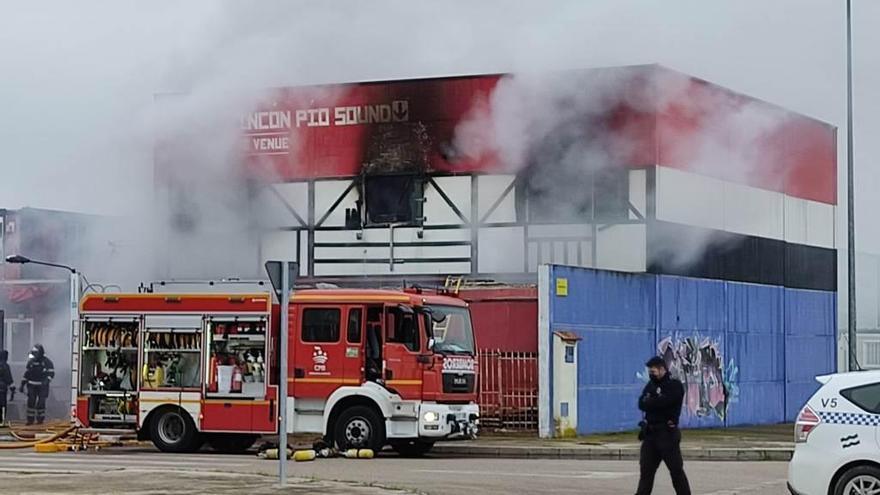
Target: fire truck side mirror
431,343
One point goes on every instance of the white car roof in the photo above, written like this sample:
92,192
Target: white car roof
850,378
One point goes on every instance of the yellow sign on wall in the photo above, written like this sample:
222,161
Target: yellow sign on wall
561,286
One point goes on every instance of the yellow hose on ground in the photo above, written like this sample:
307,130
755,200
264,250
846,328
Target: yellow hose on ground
24,445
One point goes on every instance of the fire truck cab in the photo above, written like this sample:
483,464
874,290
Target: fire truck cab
366,368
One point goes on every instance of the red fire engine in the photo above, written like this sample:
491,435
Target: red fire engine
367,368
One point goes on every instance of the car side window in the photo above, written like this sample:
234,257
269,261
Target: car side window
865,396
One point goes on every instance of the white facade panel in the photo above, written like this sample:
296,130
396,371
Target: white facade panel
437,210
383,252
278,245
571,253
795,220
489,189
400,235
343,269
296,197
532,254
638,192
326,193
501,250
622,247
303,254
752,211
689,199
566,230
820,224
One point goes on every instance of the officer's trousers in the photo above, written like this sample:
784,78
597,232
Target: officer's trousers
36,403
662,444
3,393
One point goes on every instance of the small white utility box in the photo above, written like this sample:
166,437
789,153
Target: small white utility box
565,370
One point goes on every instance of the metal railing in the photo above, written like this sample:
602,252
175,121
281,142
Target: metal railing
508,390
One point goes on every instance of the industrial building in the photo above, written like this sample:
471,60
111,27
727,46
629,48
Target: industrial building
727,201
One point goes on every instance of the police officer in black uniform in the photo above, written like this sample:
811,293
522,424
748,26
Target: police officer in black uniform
5,383
661,439
39,372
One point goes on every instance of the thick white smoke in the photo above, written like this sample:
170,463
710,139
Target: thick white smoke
561,124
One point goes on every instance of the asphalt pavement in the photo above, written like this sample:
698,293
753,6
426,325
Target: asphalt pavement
148,471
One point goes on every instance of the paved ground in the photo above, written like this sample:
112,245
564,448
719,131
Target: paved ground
145,471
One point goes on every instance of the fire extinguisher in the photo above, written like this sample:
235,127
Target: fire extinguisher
236,379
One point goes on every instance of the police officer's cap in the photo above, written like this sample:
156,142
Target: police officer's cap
656,361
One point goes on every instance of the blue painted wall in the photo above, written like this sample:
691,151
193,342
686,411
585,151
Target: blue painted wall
747,353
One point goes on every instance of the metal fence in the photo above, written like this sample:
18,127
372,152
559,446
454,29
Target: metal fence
508,390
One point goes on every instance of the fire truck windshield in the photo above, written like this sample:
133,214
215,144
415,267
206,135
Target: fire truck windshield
452,330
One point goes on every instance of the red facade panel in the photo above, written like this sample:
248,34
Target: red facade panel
712,131
652,116
504,319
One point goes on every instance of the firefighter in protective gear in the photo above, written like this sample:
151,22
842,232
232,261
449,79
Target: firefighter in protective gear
38,374
5,383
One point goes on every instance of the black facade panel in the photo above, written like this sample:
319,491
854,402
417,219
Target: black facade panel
810,267
675,249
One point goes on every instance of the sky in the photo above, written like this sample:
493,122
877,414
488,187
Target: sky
78,79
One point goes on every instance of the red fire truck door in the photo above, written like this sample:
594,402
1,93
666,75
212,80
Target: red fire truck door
318,351
403,344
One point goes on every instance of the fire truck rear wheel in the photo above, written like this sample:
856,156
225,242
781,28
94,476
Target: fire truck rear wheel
231,444
172,430
411,448
360,427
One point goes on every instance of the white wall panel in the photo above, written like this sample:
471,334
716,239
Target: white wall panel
820,224
437,211
490,188
501,250
278,245
400,235
304,253
753,211
341,269
795,220
383,252
689,199
638,191
622,247
566,230
326,193
296,195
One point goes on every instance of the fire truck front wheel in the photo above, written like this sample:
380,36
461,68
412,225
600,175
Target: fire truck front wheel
360,427
172,430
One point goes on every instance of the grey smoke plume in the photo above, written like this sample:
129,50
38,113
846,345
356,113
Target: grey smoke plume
557,130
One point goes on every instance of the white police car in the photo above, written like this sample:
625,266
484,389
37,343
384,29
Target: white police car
837,438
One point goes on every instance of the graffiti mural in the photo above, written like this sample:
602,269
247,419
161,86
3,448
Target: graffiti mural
709,384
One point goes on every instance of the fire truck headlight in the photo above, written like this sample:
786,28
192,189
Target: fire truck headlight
431,417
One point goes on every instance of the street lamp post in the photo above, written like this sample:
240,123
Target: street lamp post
74,318
850,203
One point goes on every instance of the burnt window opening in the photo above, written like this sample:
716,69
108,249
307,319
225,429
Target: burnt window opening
393,199
560,196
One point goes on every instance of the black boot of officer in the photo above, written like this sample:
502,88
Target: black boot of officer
39,372
661,439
